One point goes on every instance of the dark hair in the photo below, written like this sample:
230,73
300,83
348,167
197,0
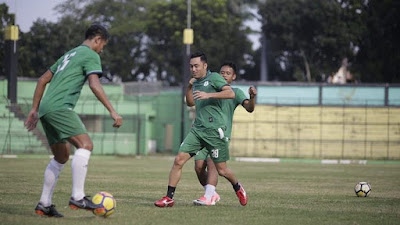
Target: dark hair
200,54
230,64
96,29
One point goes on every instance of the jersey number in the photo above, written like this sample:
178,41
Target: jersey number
65,62
214,153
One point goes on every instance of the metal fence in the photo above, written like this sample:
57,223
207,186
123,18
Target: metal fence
317,132
290,120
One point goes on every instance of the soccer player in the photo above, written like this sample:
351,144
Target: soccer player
204,166
209,128
61,124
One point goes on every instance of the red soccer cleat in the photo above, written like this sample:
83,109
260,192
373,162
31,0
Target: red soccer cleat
164,202
241,194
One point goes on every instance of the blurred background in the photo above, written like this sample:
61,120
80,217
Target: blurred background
327,71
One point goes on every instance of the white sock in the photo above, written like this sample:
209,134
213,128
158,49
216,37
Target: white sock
210,190
79,167
50,180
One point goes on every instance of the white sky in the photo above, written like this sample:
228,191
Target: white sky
28,11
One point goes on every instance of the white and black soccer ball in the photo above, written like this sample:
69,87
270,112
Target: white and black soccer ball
362,189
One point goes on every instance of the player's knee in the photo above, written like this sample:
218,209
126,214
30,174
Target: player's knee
88,145
222,172
181,159
179,162
198,169
62,159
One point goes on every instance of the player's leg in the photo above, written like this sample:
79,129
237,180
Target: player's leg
200,166
224,171
188,148
60,151
174,177
212,180
79,167
176,170
210,196
70,128
219,152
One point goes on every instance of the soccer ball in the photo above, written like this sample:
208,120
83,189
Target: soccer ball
362,189
107,201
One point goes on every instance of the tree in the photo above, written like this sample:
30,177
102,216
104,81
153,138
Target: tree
146,36
310,38
46,42
218,31
378,57
6,19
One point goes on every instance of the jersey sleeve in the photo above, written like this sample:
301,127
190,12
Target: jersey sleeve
239,96
218,81
92,65
54,67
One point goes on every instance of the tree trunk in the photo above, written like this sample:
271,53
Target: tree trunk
306,66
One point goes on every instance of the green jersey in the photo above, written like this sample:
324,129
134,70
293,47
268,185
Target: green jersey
70,72
229,107
209,112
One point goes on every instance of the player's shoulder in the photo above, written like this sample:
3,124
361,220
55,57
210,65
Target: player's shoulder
214,74
237,90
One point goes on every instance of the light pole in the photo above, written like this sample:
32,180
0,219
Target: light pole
11,61
187,41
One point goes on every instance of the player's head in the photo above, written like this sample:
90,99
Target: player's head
228,71
98,35
198,65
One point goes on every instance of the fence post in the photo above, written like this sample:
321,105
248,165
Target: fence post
387,134
343,128
386,94
276,126
365,129
320,94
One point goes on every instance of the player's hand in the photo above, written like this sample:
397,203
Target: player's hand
200,95
117,119
192,80
252,92
32,120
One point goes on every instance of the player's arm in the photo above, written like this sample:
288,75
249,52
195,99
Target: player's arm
249,105
189,93
97,89
33,117
225,93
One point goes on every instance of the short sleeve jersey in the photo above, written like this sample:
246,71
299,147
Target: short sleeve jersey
70,72
229,106
209,112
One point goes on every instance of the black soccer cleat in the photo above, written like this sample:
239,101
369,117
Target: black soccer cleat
49,211
84,203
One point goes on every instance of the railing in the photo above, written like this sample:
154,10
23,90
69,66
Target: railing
290,120
317,132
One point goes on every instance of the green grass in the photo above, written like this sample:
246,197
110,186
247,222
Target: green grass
285,193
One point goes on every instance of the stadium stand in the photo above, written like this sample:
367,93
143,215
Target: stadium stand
13,135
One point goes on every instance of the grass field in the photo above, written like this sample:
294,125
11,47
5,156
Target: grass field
284,193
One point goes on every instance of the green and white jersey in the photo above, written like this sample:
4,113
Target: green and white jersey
70,72
209,112
229,107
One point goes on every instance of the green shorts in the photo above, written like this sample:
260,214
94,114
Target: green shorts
202,154
60,125
216,147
